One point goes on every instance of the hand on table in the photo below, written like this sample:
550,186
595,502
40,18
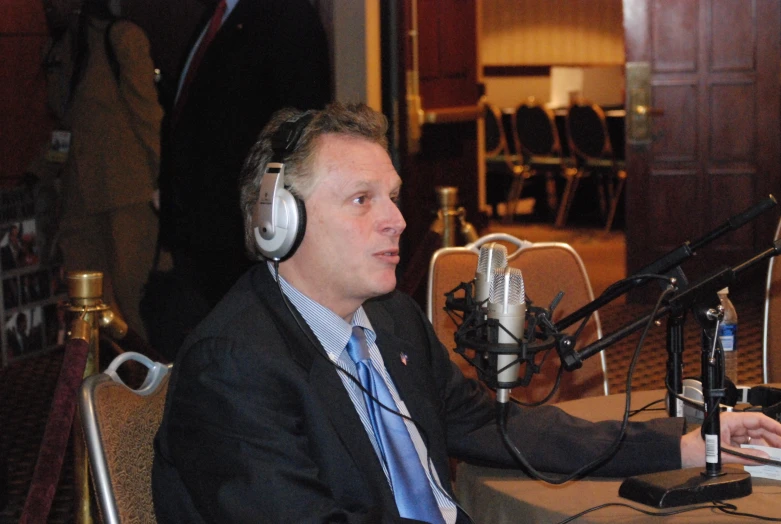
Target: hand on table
736,429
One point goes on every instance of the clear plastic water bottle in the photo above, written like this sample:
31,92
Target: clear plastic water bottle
728,334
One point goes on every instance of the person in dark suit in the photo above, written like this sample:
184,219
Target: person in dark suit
18,336
264,421
9,253
267,54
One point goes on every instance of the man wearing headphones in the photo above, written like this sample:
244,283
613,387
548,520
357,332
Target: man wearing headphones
268,418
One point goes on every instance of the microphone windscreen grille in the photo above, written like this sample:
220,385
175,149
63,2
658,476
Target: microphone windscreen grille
507,287
492,256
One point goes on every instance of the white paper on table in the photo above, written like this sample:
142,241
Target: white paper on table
765,470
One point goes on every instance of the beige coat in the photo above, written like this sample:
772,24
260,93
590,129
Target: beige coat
107,222
115,145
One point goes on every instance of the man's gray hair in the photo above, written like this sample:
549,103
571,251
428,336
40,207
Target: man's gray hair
355,120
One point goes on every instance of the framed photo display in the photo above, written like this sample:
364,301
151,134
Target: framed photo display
32,283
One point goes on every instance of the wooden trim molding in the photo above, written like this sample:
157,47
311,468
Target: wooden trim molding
535,70
446,115
516,70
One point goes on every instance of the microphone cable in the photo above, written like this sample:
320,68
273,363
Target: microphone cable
502,409
321,352
550,394
723,506
647,407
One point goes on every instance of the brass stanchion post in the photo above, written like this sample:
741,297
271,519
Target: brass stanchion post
89,314
447,215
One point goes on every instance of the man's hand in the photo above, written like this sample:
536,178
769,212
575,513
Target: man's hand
736,429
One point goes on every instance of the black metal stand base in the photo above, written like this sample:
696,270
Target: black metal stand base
685,486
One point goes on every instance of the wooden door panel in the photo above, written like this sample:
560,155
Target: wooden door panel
670,192
448,53
447,153
732,138
716,150
731,202
733,34
674,140
674,30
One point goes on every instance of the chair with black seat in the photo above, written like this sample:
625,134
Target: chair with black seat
501,165
119,425
537,139
589,143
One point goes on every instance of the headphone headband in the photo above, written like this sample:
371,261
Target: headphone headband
285,140
280,216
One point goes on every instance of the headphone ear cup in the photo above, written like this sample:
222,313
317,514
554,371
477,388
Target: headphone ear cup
301,230
279,224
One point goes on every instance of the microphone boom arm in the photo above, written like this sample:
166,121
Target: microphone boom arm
683,300
668,262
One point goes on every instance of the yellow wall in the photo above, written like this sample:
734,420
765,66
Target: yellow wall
552,32
582,33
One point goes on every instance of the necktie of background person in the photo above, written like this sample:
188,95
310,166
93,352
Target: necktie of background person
211,31
411,487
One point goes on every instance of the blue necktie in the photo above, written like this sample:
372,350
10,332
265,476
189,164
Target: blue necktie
411,488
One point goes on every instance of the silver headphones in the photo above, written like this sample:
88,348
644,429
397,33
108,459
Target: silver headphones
280,216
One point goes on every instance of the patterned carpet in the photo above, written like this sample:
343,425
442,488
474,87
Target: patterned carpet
650,369
26,391
26,387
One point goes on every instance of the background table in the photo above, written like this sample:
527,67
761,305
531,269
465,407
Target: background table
496,496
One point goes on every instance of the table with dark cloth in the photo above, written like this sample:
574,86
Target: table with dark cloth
499,496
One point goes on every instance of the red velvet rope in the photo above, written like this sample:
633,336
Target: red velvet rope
56,435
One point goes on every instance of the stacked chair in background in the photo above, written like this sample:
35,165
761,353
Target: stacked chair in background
590,147
536,137
502,165
535,147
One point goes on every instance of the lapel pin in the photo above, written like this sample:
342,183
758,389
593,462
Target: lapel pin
403,358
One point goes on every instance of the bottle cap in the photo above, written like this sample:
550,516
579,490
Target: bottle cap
724,291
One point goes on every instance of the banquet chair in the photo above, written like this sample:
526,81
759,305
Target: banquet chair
537,139
500,161
547,268
119,425
771,333
589,143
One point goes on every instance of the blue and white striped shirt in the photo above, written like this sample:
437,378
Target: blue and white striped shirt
333,333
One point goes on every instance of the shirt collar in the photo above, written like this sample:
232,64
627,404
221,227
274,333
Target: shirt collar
331,330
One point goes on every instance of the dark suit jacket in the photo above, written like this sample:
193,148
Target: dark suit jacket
268,54
7,258
258,426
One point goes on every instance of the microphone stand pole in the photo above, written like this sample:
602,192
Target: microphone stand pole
693,485
674,376
690,485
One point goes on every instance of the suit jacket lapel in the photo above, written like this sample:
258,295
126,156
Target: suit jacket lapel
328,386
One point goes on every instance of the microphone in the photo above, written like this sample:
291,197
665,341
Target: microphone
492,256
507,305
